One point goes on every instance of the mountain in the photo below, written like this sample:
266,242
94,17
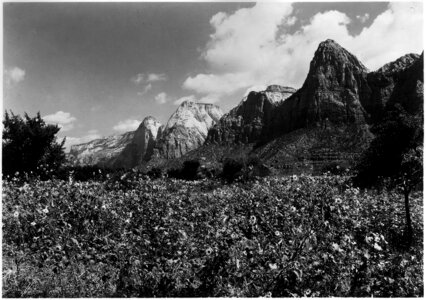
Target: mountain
383,82
186,129
99,151
141,148
245,123
327,121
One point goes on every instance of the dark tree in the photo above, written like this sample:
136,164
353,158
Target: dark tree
29,143
395,156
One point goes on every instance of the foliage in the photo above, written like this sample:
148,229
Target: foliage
281,237
397,135
232,169
29,143
189,171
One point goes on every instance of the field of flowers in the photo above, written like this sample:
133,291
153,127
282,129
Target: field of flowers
280,237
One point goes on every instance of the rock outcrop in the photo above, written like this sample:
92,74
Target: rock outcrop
99,151
141,148
186,129
245,123
409,88
383,81
334,91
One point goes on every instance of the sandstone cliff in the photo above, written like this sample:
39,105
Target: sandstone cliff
245,123
186,129
141,148
99,151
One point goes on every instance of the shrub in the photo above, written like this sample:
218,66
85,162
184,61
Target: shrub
232,169
30,144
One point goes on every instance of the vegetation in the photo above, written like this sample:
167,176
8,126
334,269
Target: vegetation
280,237
395,157
29,144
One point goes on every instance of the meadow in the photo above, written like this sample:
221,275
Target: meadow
294,236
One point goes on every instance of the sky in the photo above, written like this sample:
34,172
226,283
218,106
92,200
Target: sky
98,69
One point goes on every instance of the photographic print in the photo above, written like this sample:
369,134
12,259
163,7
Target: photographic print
212,149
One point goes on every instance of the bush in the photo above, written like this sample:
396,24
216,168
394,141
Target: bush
189,171
30,144
232,169
155,173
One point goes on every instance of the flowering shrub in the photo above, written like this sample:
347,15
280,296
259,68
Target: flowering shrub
137,237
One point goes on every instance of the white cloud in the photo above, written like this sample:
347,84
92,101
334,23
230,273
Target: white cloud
253,47
153,77
363,18
126,125
161,98
148,78
63,119
14,75
185,98
138,78
91,135
146,89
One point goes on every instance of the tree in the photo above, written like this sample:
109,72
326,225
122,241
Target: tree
29,143
395,156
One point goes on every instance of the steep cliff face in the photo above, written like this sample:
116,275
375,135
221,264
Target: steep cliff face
99,151
187,129
244,123
334,91
383,82
409,88
141,148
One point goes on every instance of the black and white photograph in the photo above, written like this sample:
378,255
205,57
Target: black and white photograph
212,149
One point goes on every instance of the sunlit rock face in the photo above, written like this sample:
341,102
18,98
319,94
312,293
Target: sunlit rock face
99,151
141,148
187,129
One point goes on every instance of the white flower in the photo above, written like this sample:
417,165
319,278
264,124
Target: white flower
273,266
16,214
33,223
45,210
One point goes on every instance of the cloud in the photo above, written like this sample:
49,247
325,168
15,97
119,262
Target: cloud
91,135
138,78
63,119
156,77
363,18
185,98
253,46
126,125
148,78
146,89
14,75
161,98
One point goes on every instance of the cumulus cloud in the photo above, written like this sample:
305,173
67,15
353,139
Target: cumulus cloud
138,78
14,75
161,98
126,125
253,46
185,98
63,119
90,136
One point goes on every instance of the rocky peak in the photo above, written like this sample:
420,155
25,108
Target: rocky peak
141,148
398,65
187,128
244,123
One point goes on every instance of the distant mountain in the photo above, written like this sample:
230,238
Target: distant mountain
327,121
186,129
141,148
99,151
